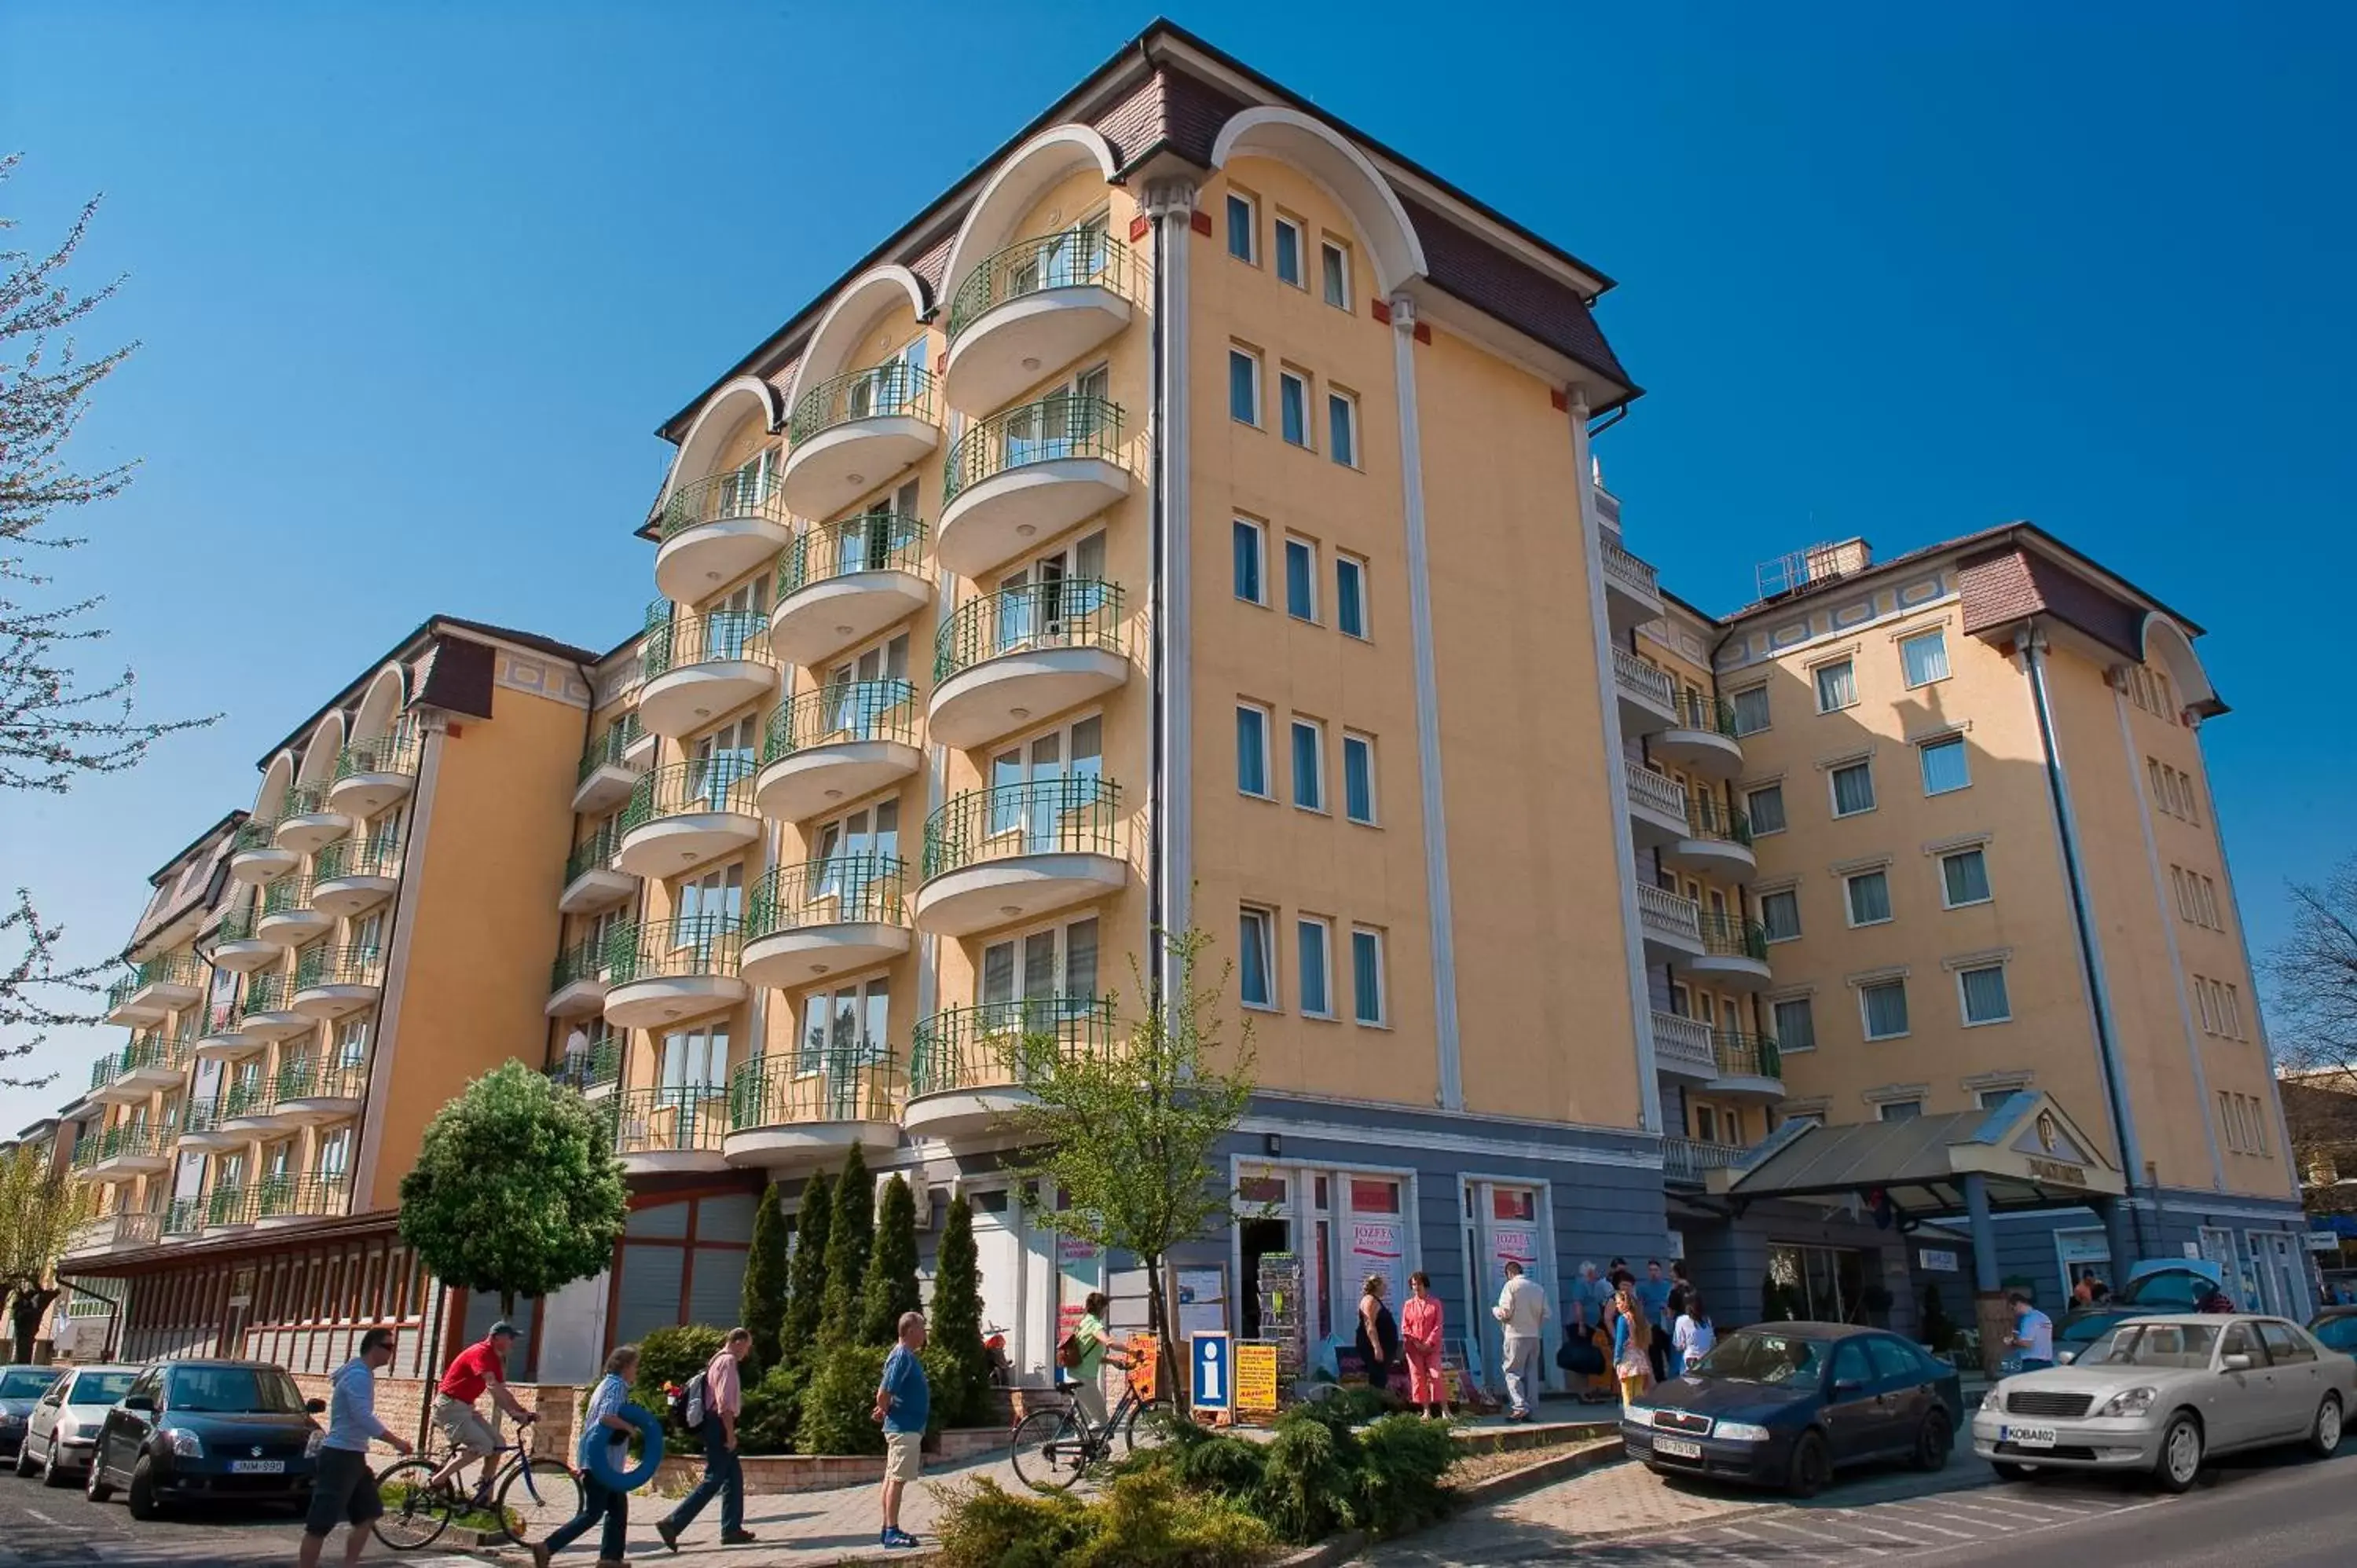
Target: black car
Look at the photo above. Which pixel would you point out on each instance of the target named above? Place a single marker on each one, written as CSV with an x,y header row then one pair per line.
x,y
2337,1327
21,1388
192,1430
1785,1404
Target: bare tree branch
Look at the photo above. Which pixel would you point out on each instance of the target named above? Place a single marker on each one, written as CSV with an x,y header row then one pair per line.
x,y
2313,1011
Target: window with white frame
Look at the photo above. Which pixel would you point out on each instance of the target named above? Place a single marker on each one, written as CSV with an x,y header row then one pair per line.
x,y
1334,266
848,1026
1252,725
1868,892
1990,1098
1310,764
1243,227
1883,1005
1795,1023
1899,1110
1313,964
1853,787
1964,878
1249,541
1052,970
1924,658
1751,705
1779,914
1293,405
1064,767
1243,386
1367,993
1765,806
1944,766
693,1064
1300,578
1359,777
1350,595
1982,988
1342,427
1256,956
1289,247
1836,685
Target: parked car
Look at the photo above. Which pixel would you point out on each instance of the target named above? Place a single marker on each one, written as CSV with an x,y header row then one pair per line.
x,y
65,1421
21,1387
1785,1404
2164,1288
2336,1327
190,1430
2164,1394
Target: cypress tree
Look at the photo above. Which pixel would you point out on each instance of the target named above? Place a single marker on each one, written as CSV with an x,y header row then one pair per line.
x,y
764,1304
798,1335
891,1287
849,1240
963,1389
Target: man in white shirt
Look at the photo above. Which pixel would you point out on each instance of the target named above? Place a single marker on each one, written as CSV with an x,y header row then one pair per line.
x,y
1523,1309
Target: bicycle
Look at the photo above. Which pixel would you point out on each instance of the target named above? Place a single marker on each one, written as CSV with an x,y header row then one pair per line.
x,y
1052,1449
535,1496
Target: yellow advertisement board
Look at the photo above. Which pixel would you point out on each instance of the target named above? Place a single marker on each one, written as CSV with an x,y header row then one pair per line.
x,y
1255,1362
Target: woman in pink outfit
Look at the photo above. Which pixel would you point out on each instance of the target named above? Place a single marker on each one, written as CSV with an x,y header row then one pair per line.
x,y
1420,1341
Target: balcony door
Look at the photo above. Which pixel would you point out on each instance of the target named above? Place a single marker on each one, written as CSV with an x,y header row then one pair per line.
x,y
335,1154
852,700
716,761
737,625
865,542
845,1028
746,487
1035,600
1051,973
709,910
1062,769
852,850
695,1064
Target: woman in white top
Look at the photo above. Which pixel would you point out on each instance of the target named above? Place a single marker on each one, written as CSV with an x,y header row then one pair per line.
x,y
1692,1335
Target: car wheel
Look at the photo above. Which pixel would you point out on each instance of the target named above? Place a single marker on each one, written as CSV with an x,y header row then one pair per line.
x,y
1812,1466
25,1458
93,1486
2007,1470
141,1494
51,1475
1933,1441
2324,1437
2180,1453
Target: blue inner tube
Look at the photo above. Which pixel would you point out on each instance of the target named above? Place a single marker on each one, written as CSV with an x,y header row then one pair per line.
x,y
597,1453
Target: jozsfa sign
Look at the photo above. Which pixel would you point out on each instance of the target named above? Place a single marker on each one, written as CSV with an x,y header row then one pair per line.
x,y
2056,1172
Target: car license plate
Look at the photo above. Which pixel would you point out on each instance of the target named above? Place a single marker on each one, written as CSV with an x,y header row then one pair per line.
x,y
2026,1436
257,1466
1677,1448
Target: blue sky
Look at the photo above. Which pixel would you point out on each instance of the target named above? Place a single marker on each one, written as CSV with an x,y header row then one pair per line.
x,y
416,283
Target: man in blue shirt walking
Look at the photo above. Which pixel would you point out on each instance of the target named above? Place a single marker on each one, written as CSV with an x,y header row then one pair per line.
x,y
903,1402
343,1491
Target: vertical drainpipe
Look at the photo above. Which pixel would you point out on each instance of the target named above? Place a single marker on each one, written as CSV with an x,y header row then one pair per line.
x,y
1157,651
2120,1219
1171,209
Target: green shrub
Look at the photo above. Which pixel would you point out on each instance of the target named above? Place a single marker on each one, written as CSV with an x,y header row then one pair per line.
x,y
673,1355
953,1353
851,1236
763,1303
837,1411
806,1274
984,1525
772,1407
1403,1459
1142,1521
891,1286
1307,1489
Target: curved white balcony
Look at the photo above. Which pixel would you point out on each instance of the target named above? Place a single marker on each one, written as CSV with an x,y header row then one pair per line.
x,y
997,856
154,989
1020,477
658,972
609,769
681,816
200,1129
969,1064
1734,953
254,856
576,981
353,875
269,1012
827,917
1717,842
133,1149
714,531
238,947
372,774
313,1092
1033,308
288,919
307,823
835,745
699,667
331,982
1007,659
1748,1066
841,583
1700,736
659,1131
853,433
807,1108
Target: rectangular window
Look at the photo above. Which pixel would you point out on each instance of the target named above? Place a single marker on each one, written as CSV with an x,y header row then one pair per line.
x,y
1884,1004
1293,407
2201,1001
1750,709
1925,658
1899,1109
2232,1010
1251,545
1765,806
1853,790
1990,1098
1313,946
1255,958
1300,579
1251,750
1309,765
1359,777
1796,1024
1243,386
1964,878
1366,975
1289,252
1779,914
1944,767
1349,596
1870,897
1342,428
1984,992
1335,264
1837,686
1244,228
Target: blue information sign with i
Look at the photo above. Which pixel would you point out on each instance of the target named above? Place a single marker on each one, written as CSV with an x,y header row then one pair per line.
x,y
1215,1379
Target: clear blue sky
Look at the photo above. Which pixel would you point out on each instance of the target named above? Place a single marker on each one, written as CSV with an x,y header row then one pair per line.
x,y
416,283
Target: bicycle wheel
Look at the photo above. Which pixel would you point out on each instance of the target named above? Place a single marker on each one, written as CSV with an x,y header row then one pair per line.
x,y
1144,1428
415,1512
538,1495
1048,1450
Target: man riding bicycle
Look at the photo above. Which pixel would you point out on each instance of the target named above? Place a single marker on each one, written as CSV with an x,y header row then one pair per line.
x,y
1094,1343
477,1368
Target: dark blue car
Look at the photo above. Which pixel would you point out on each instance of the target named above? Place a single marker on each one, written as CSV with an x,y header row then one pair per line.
x,y
1786,1404
185,1431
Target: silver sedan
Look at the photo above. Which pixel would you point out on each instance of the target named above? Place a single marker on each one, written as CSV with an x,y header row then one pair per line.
x,y
2163,1394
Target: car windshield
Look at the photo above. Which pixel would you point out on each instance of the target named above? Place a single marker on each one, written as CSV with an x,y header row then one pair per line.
x,y
234,1390
2177,1287
1764,1356
99,1388
2340,1333
2183,1345
26,1382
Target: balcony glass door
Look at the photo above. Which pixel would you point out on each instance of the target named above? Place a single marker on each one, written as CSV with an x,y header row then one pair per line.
x,y
695,1064
709,908
853,700
748,487
848,1026
716,761
1053,971
852,849
1061,766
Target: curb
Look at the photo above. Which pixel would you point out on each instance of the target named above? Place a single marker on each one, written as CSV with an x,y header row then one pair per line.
x,y
1343,1548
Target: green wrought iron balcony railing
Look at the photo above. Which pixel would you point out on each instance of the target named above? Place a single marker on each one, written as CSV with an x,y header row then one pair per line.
x,y
378,857
229,1206
715,784
670,1121
287,896
855,710
132,1140
1076,814
650,950
855,1083
872,542
182,970
85,1151
1697,711
250,1096
1075,612
841,890
303,801
1706,819
251,834
682,640
396,751
599,1067
305,1078
748,491
351,965
595,853
279,1196
200,1117
102,1071
267,994
606,750
1052,429
186,1216
1744,1055
878,392
1728,935
585,960
152,1049
1069,259
988,1043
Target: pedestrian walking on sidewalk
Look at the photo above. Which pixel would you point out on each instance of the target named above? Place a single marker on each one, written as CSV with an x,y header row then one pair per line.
x,y
1427,1387
903,1401
1523,1309
601,1504
1694,1336
1631,1361
1378,1335
1654,1292
342,1490
724,1397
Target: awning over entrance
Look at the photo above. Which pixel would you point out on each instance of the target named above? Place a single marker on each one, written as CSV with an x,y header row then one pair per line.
x,y
2026,1152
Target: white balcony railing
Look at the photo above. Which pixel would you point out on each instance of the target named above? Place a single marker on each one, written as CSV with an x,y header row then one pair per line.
x,y
1608,506
1688,1159
1646,682
1669,914
1682,1042
1655,792
1636,576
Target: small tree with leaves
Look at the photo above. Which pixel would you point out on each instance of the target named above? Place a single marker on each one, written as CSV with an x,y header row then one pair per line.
x,y
1128,1136
891,1287
39,1209
954,1359
849,1239
764,1304
516,1190
806,1292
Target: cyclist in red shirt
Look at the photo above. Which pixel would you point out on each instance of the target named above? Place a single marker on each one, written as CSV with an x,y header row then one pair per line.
x,y
477,1368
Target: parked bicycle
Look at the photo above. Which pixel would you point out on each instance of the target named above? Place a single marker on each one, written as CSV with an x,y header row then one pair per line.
x,y
1053,1448
528,1496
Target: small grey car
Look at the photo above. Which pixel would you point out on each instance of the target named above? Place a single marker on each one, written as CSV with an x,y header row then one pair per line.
x,y
2164,1394
66,1419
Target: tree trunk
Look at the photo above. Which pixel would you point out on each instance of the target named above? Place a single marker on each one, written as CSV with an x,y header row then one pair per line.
x,y
507,1304
24,1319
1172,1373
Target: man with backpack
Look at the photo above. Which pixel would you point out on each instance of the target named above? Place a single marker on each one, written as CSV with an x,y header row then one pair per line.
x,y
709,1405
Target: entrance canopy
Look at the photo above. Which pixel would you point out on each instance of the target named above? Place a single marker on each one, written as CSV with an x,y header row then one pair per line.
x,y
2026,1152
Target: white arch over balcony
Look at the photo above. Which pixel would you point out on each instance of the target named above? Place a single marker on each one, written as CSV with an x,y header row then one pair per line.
x,y
319,753
837,336
1339,169
2166,641
715,423
380,705
277,780
1015,186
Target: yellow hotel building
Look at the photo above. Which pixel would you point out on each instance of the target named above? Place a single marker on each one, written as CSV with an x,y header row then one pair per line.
x,y
1188,519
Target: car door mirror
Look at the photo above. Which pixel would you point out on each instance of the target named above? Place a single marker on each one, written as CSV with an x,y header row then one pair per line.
x,y
2235,1361
317,1407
